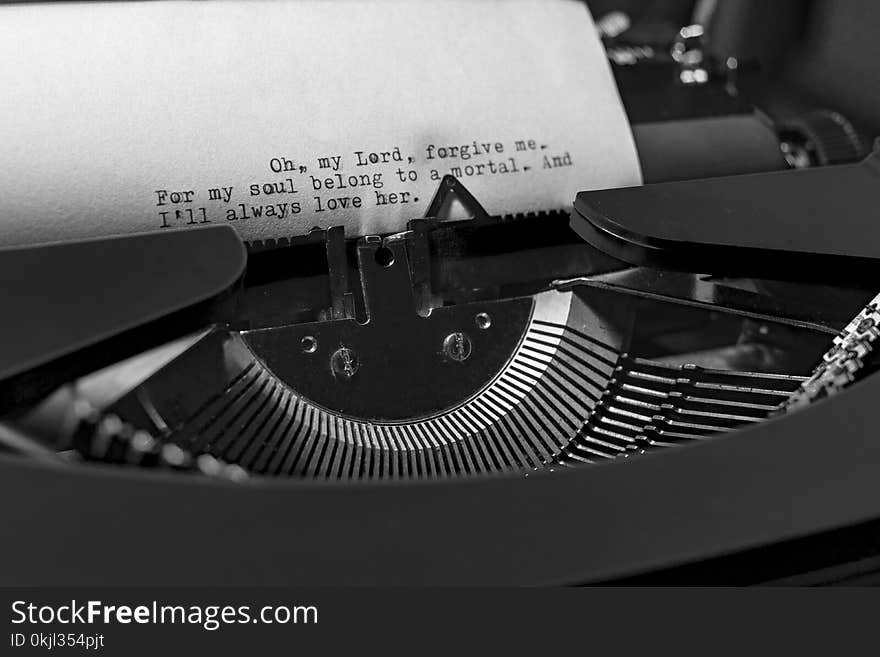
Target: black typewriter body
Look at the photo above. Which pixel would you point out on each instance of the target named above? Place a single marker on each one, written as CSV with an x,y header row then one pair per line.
x,y
628,393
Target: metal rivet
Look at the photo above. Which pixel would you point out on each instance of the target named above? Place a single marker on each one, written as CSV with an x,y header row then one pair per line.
x,y
344,363
457,346
483,321
308,344
384,256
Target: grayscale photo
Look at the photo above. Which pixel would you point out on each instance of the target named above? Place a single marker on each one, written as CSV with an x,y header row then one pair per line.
x,y
320,312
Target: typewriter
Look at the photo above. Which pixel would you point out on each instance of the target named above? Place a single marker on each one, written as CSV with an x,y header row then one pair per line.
x,y
670,384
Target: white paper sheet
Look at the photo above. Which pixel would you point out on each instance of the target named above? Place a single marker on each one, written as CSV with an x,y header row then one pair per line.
x,y
123,117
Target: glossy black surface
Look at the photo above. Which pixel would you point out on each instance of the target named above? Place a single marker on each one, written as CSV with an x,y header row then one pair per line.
x,y
73,307
805,473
